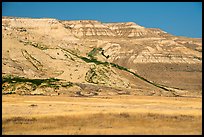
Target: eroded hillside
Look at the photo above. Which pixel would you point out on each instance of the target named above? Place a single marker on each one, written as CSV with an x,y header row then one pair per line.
x,y
88,58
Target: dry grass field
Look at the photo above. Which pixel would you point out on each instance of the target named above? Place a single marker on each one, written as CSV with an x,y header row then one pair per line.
x,y
123,114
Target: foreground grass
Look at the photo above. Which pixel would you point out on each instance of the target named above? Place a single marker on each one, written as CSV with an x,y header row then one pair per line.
x,y
104,123
101,115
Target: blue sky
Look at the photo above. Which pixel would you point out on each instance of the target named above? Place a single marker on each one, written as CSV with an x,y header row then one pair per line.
x,y
177,18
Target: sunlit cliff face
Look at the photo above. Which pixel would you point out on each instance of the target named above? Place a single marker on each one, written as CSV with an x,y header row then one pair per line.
x,y
44,48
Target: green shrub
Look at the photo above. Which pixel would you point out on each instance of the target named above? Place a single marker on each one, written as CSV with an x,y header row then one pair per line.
x,y
68,84
15,79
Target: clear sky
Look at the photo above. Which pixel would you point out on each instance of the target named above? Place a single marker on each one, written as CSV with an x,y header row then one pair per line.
x,y
177,18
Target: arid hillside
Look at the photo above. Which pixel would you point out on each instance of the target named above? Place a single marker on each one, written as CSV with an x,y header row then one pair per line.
x,y
90,58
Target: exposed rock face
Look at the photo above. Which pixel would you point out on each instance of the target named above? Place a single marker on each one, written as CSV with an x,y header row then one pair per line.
x,y
43,48
132,30
88,28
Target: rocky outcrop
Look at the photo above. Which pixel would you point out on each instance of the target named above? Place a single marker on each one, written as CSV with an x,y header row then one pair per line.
x,y
99,74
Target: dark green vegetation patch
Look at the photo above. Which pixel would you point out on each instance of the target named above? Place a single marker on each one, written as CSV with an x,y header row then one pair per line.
x,y
16,79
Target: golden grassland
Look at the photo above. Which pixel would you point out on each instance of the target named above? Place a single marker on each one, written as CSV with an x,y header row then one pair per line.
x,y
101,115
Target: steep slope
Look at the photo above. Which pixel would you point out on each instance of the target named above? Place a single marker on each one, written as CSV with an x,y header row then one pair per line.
x,y
67,50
